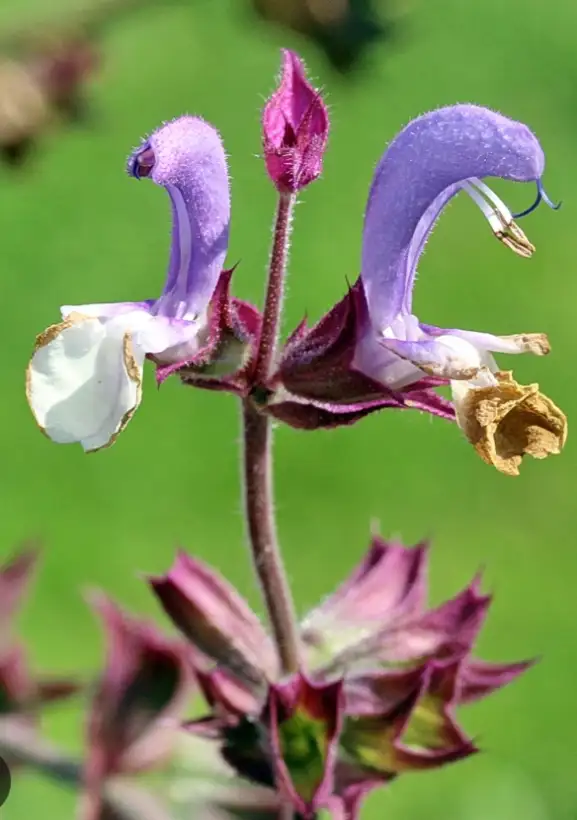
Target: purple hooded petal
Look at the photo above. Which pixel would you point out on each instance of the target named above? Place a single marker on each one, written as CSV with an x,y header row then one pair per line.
x,y
305,723
389,584
217,621
186,156
425,161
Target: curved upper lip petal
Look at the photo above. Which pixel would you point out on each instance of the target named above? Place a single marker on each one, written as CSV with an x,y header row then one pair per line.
x,y
421,170
187,158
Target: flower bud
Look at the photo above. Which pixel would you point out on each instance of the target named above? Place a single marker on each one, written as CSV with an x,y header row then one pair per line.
x,y
295,129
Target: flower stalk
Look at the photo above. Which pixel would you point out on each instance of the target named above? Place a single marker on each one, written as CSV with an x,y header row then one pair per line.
x,y
257,455
271,319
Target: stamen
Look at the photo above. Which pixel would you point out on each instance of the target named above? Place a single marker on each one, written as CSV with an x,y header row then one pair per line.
x,y
541,195
492,197
499,218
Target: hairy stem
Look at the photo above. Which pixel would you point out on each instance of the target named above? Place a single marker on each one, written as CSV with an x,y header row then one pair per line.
x,y
275,288
258,479
266,554
20,745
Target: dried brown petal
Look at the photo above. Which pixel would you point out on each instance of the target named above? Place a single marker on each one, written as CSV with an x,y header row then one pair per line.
x,y
506,421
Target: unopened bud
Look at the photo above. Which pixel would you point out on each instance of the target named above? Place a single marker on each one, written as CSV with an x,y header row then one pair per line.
x,y
295,129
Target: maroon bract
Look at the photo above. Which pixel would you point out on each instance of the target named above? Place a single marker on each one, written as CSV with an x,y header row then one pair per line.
x,y
22,694
139,701
226,359
15,577
318,385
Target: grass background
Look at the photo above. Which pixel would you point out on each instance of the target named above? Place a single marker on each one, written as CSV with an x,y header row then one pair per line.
x,y
75,229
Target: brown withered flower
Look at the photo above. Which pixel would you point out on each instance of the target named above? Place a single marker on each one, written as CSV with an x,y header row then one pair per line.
x,y
505,421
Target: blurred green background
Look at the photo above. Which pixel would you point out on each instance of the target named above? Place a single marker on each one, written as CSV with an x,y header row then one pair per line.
x,y
75,229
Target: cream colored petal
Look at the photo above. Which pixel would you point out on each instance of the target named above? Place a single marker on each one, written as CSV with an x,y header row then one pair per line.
x,y
84,381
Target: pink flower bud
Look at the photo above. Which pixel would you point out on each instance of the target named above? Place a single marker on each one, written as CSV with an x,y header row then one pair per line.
x,y
295,129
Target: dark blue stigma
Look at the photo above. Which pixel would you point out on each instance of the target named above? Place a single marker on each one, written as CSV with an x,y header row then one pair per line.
x,y
541,195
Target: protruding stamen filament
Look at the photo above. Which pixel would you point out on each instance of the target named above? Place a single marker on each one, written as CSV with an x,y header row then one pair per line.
x,y
541,196
499,218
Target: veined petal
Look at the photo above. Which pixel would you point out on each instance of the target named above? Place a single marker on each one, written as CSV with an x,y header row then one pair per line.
x,y
84,381
414,180
186,156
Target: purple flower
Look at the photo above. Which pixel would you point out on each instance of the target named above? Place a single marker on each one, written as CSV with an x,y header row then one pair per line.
x,y
371,351
382,677
295,127
84,381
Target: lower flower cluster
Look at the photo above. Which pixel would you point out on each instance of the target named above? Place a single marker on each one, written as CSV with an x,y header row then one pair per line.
x,y
381,678
376,696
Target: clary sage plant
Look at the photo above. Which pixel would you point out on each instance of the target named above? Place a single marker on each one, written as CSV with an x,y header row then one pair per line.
x,y
305,717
